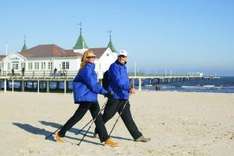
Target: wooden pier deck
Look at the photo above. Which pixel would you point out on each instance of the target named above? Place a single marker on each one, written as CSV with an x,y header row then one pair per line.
x,y
43,81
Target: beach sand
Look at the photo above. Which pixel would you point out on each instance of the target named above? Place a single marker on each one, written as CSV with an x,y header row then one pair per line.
x,y
179,124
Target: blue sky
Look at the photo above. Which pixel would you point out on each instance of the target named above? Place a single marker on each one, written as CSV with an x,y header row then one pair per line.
x,y
160,35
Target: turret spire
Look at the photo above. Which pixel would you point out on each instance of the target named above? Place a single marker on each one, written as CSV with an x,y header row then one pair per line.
x,y
110,44
80,44
24,46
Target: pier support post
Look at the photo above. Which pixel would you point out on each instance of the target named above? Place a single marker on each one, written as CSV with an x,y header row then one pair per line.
x,y
133,83
38,86
5,85
22,85
12,85
65,86
47,86
168,80
139,88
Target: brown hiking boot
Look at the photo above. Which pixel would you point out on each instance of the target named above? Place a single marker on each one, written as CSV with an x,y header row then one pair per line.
x,y
57,138
142,139
111,143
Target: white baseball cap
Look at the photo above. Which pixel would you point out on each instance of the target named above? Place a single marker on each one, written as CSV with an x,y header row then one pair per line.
x,y
123,52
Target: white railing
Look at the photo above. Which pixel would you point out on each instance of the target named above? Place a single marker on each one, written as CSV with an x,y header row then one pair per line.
x,y
71,74
39,74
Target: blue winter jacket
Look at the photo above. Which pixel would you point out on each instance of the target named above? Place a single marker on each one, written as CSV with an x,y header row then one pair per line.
x,y
86,86
118,81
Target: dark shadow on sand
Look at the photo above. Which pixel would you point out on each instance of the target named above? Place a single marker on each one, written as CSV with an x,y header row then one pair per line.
x,y
77,131
33,130
39,131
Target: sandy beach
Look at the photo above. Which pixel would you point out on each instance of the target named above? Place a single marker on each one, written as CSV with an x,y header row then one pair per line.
x,y
179,124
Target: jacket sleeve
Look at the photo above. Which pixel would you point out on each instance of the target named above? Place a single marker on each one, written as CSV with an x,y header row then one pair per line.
x,y
91,82
115,76
76,78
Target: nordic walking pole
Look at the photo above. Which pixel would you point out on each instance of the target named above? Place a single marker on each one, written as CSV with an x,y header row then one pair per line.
x,y
118,118
80,129
103,107
86,133
60,128
93,120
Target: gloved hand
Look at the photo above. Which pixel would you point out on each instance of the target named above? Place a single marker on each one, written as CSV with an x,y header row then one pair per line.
x,y
108,95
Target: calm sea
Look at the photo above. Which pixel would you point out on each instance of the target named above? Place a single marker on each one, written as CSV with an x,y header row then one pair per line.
x,y
219,85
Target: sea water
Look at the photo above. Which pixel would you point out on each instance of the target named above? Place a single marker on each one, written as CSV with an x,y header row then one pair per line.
x,y
218,85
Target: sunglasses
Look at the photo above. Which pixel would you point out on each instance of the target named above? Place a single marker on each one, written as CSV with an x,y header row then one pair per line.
x,y
91,57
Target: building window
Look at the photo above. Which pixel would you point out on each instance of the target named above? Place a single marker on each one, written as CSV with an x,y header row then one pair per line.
x,y
30,66
50,65
22,65
36,65
15,66
65,65
43,65
9,66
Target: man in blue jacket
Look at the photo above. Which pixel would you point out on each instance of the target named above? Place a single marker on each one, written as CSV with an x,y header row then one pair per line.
x,y
118,85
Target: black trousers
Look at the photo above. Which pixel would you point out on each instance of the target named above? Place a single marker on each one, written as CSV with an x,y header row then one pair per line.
x,y
80,112
114,106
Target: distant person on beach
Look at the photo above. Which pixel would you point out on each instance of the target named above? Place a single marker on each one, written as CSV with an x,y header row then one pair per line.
x,y
117,82
55,72
23,71
13,72
86,88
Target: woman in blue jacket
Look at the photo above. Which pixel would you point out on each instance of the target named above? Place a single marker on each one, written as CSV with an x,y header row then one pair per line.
x,y
85,90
